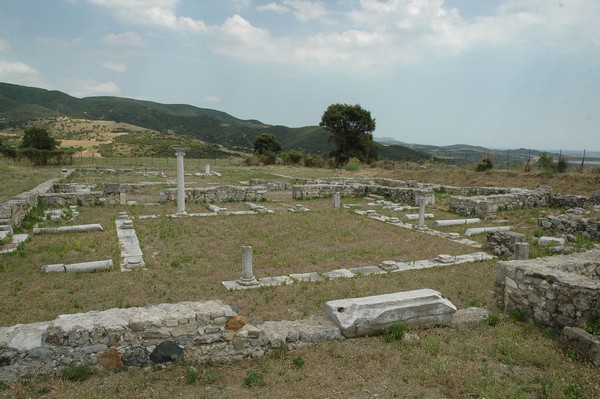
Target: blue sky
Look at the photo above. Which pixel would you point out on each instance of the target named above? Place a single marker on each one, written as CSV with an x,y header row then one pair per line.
x,y
497,73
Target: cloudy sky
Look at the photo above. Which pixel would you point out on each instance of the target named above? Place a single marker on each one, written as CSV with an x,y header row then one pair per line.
x,y
497,73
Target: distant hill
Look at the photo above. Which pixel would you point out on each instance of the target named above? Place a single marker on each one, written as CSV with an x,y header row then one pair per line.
x,y
461,153
20,105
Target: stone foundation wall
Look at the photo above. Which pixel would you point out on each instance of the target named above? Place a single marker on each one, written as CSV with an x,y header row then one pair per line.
x,y
486,205
13,211
206,331
557,291
272,185
83,199
571,224
220,194
400,194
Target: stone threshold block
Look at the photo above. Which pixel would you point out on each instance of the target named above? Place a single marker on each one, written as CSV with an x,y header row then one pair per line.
x,y
81,228
455,222
480,230
357,317
415,216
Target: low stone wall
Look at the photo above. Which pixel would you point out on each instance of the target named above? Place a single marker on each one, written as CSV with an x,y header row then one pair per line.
x,y
400,194
83,199
13,211
571,224
207,331
272,185
556,291
487,206
220,194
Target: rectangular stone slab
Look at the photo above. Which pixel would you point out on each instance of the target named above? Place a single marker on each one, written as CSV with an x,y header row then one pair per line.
x,y
373,315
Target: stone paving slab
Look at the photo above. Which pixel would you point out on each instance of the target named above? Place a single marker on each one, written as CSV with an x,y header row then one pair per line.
x,y
391,266
367,270
306,276
338,273
275,281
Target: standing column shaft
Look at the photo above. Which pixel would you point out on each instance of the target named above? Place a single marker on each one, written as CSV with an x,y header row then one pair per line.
x,y
247,275
421,213
180,185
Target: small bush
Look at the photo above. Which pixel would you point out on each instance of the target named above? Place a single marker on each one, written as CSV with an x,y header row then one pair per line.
x,y
592,323
292,157
493,319
396,332
485,164
353,165
254,379
561,167
298,362
77,373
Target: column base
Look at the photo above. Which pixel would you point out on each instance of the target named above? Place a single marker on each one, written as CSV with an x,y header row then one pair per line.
x,y
247,281
181,213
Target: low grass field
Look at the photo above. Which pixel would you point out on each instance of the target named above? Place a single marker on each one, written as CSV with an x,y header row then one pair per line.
x,y
188,258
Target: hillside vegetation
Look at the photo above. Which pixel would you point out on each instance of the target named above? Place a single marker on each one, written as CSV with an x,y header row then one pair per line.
x,y
19,105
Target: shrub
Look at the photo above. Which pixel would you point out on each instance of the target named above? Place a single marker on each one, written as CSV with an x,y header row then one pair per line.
x,y
546,162
485,164
352,165
254,379
77,373
396,332
292,157
561,167
298,362
493,319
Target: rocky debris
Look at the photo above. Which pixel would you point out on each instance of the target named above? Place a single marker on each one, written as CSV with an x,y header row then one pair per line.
x,y
136,356
502,243
111,359
571,224
166,351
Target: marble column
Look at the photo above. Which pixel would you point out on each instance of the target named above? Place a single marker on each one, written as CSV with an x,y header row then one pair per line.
x,y
247,276
180,185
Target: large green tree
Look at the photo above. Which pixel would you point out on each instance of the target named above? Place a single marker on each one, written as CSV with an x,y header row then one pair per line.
x,y
265,144
351,129
39,146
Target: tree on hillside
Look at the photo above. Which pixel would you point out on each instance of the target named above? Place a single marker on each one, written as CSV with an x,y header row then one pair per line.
x,y
351,129
265,144
38,146
8,151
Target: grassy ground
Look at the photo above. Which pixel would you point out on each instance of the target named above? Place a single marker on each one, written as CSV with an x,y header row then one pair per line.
x,y
188,258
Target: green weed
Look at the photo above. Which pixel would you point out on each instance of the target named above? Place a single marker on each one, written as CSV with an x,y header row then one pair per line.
x,y
254,379
396,332
76,373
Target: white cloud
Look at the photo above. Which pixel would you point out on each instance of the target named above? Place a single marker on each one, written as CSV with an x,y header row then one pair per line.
x,y
306,10
89,87
211,99
381,34
129,39
273,7
160,13
115,66
20,73
12,68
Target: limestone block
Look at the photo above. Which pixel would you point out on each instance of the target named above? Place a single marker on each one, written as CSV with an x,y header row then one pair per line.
x,y
586,344
546,241
374,315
